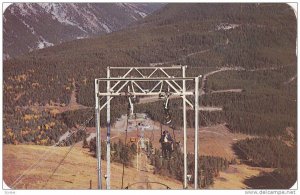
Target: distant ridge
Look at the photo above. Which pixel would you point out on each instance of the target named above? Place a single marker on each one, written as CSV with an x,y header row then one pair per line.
x,y
30,26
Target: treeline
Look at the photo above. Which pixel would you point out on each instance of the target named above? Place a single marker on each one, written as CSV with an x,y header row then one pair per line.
x,y
120,152
209,167
266,152
26,126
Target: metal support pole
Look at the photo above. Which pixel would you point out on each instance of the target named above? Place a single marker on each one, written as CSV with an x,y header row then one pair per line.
x,y
184,131
196,130
98,140
108,133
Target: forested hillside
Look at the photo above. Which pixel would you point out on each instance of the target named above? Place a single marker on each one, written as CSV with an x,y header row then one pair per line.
x,y
266,106
30,127
202,35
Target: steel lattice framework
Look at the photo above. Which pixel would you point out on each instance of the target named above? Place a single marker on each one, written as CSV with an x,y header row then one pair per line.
x,y
146,84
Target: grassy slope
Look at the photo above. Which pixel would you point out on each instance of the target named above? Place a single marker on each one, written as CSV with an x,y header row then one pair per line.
x,y
234,176
75,172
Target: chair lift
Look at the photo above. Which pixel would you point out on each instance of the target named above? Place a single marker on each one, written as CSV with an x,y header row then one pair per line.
x,y
130,110
130,107
168,119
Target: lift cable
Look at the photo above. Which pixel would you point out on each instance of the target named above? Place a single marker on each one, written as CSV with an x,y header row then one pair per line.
x,y
59,164
44,155
70,149
130,112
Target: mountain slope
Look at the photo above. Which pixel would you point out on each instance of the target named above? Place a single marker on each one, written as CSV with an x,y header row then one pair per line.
x,y
29,26
259,36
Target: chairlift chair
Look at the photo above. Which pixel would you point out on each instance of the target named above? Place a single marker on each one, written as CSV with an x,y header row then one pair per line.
x,y
168,119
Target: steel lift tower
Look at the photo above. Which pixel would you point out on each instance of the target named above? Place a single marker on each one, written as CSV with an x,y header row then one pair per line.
x,y
134,78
